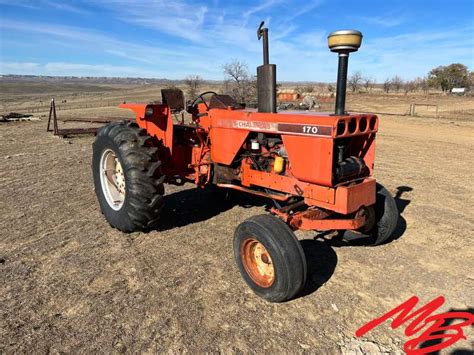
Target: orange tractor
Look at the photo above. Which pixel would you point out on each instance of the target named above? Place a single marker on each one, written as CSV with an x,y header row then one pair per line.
x,y
316,167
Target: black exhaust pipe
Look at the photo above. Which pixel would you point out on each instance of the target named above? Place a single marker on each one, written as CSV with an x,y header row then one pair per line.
x,y
341,83
266,77
343,42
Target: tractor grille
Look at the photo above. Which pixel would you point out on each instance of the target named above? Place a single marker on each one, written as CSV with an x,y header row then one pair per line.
x,y
356,125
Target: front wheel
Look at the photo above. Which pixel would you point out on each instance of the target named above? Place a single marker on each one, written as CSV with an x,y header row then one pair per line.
x,y
384,215
270,258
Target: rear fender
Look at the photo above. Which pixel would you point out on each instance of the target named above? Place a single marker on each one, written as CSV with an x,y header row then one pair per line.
x,y
158,124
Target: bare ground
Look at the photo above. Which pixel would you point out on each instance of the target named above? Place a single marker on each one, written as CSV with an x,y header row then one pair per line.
x,y
69,282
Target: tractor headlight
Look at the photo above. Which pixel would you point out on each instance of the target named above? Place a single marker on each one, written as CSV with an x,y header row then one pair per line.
x,y
149,111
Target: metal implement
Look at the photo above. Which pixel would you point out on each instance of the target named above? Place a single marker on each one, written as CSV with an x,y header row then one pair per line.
x,y
53,119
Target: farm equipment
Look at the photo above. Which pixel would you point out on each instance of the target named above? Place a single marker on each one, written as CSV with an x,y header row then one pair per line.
x,y
316,167
65,132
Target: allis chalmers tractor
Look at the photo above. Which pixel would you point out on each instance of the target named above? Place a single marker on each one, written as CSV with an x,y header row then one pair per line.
x,y
316,167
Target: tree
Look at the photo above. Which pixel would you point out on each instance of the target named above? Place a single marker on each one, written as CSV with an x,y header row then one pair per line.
x,y
420,83
424,85
355,80
367,84
410,86
239,83
397,83
193,82
448,77
387,85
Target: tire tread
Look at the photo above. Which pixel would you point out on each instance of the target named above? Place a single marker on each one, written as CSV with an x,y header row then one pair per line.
x,y
142,167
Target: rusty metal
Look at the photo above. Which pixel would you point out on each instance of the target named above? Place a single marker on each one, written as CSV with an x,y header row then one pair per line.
x,y
68,131
257,262
92,119
317,219
52,114
292,206
273,196
53,119
225,174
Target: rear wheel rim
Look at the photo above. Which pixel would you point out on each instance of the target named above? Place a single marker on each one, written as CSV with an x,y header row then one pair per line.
x,y
371,219
112,179
257,262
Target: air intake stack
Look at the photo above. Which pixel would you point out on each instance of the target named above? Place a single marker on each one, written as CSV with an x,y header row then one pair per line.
x,y
343,42
266,77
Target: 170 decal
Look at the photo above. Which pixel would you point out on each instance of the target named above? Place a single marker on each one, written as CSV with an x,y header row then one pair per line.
x,y
310,129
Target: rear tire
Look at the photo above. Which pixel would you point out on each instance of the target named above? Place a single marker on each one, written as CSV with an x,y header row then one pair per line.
x,y
386,219
270,258
130,193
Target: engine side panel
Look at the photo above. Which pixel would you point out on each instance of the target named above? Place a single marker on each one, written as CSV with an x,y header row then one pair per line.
x,y
310,158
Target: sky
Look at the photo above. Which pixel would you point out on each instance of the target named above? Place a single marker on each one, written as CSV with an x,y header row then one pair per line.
x,y
174,39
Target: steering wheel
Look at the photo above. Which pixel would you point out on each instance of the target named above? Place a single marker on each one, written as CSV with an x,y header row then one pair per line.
x,y
200,96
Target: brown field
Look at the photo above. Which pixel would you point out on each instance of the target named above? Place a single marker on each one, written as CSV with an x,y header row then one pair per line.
x,y
71,283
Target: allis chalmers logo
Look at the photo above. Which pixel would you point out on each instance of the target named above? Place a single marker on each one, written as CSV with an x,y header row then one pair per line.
x,y
254,125
438,331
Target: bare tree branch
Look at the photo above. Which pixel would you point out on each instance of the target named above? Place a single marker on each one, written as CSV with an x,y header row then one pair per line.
x,y
193,83
239,83
354,81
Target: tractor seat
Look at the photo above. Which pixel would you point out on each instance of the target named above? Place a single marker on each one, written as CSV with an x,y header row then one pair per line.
x,y
174,98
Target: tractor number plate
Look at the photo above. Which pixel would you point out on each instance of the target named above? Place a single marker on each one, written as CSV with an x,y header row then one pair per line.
x,y
305,129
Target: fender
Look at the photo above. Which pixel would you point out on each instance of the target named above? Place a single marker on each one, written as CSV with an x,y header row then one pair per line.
x,y
158,124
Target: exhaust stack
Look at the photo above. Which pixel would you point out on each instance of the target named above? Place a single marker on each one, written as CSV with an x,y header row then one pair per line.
x,y
343,42
266,77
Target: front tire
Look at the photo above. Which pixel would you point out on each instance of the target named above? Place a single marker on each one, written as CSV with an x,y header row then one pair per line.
x,y
127,177
270,258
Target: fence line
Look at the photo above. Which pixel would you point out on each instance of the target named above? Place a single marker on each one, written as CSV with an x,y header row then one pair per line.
x,y
36,109
463,110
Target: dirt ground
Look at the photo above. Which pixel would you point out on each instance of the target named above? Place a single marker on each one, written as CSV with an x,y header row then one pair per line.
x,y
69,282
